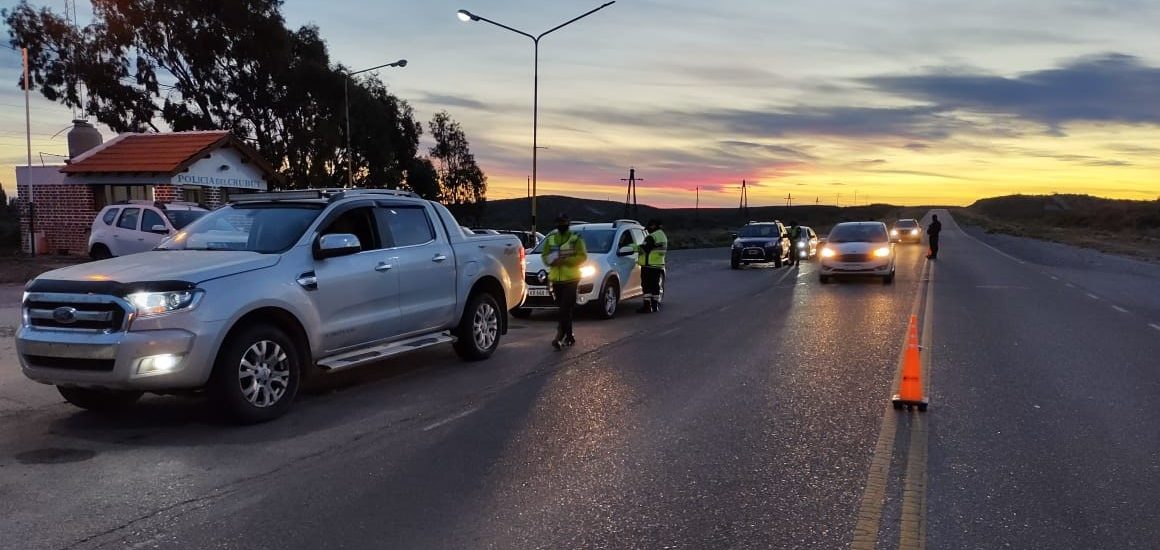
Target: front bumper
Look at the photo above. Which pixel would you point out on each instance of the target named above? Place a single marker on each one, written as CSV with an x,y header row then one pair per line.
x,y
540,297
111,360
755,255
879,268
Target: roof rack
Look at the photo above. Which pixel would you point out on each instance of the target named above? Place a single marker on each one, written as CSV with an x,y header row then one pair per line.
x,y
343,193
618,223
305,194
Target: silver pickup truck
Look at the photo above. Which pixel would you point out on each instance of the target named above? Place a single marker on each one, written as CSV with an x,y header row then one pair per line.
x,y
249,299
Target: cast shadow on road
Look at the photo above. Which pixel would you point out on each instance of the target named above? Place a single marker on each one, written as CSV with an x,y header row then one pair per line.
x,y
324,402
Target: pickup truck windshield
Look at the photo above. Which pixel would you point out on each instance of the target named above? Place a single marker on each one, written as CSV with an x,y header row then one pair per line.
x,y
182,218
262,228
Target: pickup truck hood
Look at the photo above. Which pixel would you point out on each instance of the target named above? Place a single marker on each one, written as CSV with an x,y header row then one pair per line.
x,y
193,266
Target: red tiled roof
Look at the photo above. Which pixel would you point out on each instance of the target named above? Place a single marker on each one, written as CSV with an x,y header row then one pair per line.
x,y
146,153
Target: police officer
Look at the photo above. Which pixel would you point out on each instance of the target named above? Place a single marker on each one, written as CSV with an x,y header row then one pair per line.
x,y
651,259
795,235
564,252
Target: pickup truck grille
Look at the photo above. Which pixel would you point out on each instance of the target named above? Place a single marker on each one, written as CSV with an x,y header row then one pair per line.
x,y
69,363
75,312
534,279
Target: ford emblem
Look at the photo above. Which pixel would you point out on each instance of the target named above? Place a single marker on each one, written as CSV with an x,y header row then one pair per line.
x,y
65,315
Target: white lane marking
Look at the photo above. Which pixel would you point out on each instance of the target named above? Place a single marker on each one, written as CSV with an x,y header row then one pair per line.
x,y
449,419
1092,296
1069,285
1154,325
1119,309
1053,277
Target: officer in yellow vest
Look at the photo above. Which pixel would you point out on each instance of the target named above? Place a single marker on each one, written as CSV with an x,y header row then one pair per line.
x,y
651,259
564,252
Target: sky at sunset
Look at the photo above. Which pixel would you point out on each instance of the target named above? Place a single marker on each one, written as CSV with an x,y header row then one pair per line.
x,y
900,101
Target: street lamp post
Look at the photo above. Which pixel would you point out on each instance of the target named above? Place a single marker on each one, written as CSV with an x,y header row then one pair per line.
x,y
346,107
465,15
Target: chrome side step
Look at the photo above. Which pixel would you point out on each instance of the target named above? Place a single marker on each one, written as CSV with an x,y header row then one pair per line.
x,y
378,353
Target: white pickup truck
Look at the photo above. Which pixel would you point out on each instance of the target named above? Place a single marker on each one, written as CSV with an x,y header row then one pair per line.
x,y
253,296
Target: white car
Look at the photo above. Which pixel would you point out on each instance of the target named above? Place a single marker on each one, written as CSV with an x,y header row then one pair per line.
x,y
608,277
138,226
857,249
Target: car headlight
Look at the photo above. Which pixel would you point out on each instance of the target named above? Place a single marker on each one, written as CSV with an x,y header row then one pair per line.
x,y
913,231
827,253
149,304
894,232
587,271
801,244
736,243
882,252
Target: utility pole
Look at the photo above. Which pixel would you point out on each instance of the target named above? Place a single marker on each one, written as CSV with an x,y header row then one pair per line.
x,y
529,187
855,197
788,200
697,210
28,168
744,205
631,194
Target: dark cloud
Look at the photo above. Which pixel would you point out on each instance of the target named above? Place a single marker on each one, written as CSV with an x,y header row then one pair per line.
x,y
772,149
916,146
447,100
1107,88
1107,163
1133,149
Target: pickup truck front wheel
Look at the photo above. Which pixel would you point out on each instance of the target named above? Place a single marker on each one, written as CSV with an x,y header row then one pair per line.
x,y
477,335
99,400
256,375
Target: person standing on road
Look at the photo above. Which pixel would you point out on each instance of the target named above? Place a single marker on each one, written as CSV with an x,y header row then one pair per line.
x,y
564,252
932,235
651,259
795,235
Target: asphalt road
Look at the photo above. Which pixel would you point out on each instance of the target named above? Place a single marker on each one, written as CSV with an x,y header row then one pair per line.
x,y
753,412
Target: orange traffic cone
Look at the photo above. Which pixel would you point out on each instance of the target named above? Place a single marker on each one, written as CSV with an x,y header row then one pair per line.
x,y
910,391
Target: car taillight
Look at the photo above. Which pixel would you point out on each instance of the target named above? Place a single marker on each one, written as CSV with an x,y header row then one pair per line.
x,y
523,257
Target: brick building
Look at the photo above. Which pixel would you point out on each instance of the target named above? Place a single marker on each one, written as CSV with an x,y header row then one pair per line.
x,y
202,167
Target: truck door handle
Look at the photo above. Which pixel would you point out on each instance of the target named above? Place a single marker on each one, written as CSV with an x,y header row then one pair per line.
x,y
383,267
439,258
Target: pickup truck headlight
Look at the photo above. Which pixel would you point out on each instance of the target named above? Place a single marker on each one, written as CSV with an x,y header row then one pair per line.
x,y
827,253
587,271
149,304
882,252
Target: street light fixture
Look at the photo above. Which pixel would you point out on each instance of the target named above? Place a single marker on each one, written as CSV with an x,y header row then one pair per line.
x,y
465,16
346,107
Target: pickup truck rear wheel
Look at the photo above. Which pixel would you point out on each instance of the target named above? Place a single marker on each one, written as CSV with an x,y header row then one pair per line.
x,y
256,375
477,335
97,399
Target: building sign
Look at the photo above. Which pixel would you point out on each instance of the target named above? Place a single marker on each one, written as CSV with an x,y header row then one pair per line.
x,y
210,181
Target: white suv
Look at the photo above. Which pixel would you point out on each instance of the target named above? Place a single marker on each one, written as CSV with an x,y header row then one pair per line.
x,y
137,226
609,276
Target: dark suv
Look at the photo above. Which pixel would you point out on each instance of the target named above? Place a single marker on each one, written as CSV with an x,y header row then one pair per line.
x,y
761,242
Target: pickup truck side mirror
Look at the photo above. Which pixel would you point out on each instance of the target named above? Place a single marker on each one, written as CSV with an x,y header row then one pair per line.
x,y
626,251
335,245
159,229
733,235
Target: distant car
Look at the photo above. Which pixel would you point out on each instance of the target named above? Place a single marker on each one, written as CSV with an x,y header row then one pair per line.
x,y
807,246
609,277
760,242
138,226
906,230
857,249
529,238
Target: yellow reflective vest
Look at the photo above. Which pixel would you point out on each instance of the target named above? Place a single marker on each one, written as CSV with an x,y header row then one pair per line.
x,y
569,247
652,252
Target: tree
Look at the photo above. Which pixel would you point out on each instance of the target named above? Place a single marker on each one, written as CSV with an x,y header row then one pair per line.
x,y
423,179
216,64
461,181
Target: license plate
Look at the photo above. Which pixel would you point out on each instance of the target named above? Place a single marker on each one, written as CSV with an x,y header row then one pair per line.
x,y
753,252
538,292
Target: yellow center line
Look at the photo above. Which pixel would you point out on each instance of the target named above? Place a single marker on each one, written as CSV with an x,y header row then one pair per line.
x,y
874,492
912,532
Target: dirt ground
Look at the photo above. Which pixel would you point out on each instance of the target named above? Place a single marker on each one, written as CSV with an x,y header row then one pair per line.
x,y
19,269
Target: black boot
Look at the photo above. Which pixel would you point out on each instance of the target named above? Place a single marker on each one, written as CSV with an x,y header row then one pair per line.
x,y
646,307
